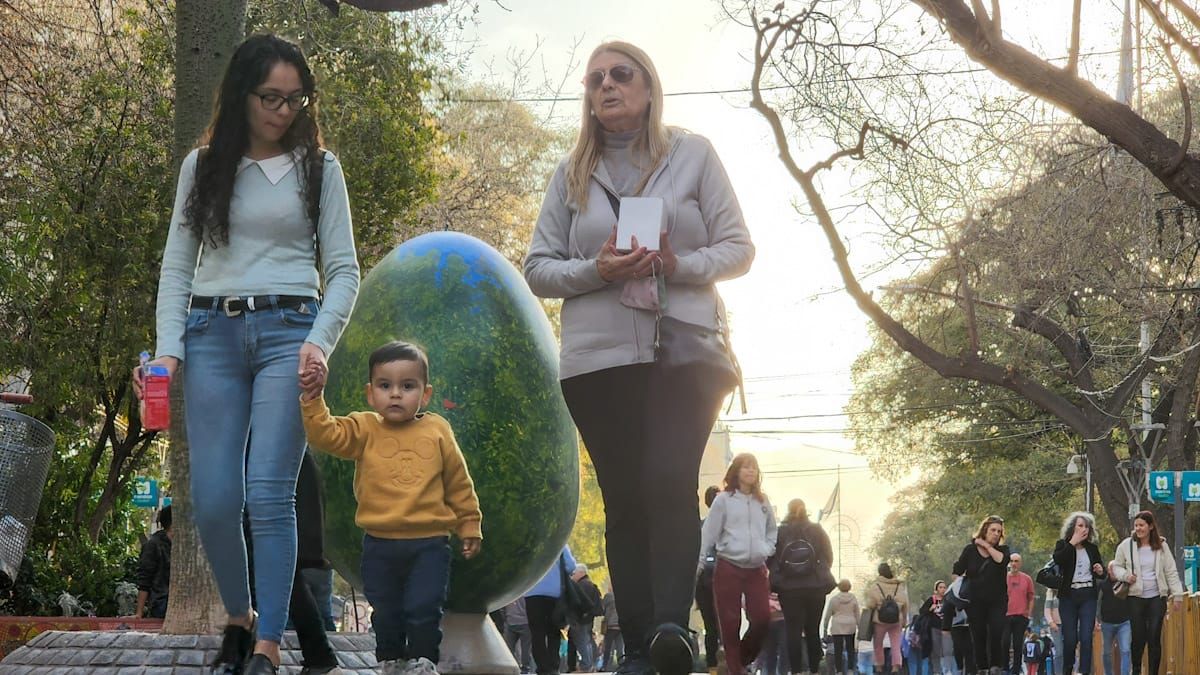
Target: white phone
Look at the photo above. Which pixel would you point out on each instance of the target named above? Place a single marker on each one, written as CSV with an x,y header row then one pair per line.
x,y
641,217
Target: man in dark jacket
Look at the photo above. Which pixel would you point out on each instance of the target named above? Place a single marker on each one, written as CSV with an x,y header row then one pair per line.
x,y
154,570
580,634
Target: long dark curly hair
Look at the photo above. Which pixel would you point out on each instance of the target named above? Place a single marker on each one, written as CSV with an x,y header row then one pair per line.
x,y
228,136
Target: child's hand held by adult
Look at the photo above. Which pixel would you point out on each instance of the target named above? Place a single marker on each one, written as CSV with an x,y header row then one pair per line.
x,y
471,547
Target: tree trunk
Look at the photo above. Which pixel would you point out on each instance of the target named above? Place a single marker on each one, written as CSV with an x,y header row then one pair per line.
x,y
206,33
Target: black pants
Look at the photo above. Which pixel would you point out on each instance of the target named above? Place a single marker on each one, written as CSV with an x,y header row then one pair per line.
x,y
987,631
964,651
547,636
708,613
1146,621
845,655
310,625
1015,646
645,429
802,616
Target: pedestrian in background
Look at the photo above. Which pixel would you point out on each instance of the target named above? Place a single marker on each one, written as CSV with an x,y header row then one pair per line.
x,y
887,597
517,635
740,530
1115,631
801,575
982,564
704,596
841,620
1020,608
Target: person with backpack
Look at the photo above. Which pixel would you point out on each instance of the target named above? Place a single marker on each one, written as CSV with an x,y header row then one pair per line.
x,y
1032,652
887,597
840,621
579,632
931,614
983,564
800,574
740,529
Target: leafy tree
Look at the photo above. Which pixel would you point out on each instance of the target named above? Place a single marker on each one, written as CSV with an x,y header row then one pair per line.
x,y
965,186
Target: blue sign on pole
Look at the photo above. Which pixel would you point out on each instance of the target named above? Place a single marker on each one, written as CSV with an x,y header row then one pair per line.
x,y
1191,486
1191,566
145,492
1162,486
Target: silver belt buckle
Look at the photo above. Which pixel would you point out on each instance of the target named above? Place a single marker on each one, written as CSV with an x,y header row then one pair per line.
x,y
225,307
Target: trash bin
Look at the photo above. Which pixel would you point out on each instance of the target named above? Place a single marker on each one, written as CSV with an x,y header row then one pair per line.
x,y
26,447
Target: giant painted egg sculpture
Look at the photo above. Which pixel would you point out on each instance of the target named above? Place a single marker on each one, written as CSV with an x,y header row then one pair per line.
x,y
494,369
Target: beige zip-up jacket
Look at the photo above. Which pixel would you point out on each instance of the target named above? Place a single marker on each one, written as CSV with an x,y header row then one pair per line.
x,y
1164,570
706,231
841,614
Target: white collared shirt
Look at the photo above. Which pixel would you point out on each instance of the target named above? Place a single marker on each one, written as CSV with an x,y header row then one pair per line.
x,y
274,168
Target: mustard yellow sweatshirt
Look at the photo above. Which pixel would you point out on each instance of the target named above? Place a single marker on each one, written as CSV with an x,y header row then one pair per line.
x,y
410,480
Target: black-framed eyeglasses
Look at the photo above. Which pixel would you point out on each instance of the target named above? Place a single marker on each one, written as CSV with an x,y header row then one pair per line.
x,y
294,102
621,73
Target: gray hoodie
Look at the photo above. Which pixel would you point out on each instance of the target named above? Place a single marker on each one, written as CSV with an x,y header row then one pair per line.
x,y
707,234
740,529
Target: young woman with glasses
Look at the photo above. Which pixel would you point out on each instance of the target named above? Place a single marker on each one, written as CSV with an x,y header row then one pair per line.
x,y
238,299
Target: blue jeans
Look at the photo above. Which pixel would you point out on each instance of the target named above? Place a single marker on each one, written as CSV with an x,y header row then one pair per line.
x,y
1122,633
241,383
405,580
1077,609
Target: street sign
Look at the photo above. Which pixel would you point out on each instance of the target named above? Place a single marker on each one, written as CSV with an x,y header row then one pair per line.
x,y
1191,566
1162,486
1191,486
145,492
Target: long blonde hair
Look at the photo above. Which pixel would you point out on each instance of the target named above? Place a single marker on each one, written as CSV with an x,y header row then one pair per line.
x,y
652,142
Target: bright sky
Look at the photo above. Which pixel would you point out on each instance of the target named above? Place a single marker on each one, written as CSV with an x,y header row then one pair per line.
x,y
795,333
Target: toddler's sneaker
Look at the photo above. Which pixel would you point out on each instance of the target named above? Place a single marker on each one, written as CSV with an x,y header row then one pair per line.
x,y
421,666
393,667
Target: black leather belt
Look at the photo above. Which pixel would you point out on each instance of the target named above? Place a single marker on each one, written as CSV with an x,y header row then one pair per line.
x,y
233,305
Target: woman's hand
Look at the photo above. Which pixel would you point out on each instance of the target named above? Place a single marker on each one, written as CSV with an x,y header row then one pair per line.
x,y
169,362
615,266
1078,537
1131,578
669,260
982,543
313,369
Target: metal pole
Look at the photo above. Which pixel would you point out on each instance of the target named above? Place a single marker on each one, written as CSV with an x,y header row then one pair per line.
x,y
1087,467
1178,542
838,506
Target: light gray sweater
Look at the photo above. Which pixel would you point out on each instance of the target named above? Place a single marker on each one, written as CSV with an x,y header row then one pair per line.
x,y
270,250
739,529
706,232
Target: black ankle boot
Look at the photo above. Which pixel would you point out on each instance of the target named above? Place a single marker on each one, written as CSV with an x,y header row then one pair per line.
x,y
671,650
236,643
260,664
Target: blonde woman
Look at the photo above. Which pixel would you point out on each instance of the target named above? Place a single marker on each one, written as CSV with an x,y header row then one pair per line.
x,y
1144,561
840,621
645,425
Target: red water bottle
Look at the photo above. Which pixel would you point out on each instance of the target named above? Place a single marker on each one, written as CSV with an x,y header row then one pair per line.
x,y
156,397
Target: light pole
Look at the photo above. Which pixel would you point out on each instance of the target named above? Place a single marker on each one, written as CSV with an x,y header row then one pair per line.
x,y
1080,464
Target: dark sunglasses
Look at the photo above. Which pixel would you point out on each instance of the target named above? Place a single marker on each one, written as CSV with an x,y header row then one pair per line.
x,y
621,74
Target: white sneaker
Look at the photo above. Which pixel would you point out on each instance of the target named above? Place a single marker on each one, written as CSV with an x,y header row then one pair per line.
x,y
421,666
394,667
